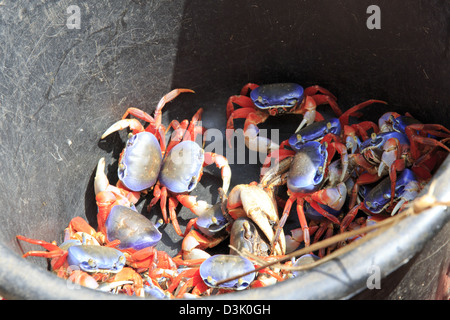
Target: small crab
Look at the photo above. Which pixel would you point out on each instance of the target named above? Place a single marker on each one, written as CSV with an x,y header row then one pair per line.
x,y
140,161
271,100
181,170
92,259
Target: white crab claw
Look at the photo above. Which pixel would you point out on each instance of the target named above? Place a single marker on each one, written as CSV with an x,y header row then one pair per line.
x,y
398,206
122,124
100,181
257,143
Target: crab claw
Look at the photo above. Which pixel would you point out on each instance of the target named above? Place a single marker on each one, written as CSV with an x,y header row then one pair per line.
x,y
352,143
259,207
101,182
332,197
309,115
390,154
194,243
133,124
385,122
410,192
296,238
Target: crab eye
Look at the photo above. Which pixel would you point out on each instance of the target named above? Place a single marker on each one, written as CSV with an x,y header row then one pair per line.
x,y
91,263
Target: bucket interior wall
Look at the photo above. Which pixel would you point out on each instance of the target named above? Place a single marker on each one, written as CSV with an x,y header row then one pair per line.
x,y
61,88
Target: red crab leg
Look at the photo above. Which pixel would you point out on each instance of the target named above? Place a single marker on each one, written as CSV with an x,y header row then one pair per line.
x,y
249,86
177,135
221,163
282,221
105,201
415,139
312,90
303,222
173,203
167,98
184,274
52,248
242,101
365,178
363,127
163,203
325,99
53,251
191,132
322,211
160,194
236,114
351,112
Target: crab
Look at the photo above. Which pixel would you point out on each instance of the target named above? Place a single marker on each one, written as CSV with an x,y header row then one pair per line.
x,y
272,100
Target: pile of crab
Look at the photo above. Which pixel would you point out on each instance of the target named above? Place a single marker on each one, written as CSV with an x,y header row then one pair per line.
x,y
342,175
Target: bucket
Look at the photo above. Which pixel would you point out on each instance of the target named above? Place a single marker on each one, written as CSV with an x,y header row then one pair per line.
x,y
70,69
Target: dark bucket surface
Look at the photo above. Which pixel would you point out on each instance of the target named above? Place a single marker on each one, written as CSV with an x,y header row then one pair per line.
x,y
60,88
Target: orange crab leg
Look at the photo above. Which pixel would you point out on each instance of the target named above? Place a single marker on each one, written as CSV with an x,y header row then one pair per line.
x,y
167,98
173,202
138,113
191,133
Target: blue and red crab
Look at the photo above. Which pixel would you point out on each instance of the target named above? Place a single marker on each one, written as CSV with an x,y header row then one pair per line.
x,y
334,131
119,222
271,100
307,173
377,201
86,255
181,170
173,172
396,147
141,159
213,273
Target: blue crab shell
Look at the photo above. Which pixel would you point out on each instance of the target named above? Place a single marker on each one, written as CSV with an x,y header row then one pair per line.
x,y
399,124
182,167
379,197
131,228
222,266
277,95
307,170
91,258
212,221
140,162
376,144
315,132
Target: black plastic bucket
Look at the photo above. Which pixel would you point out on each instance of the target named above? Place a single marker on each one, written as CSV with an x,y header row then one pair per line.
x,y
61,86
